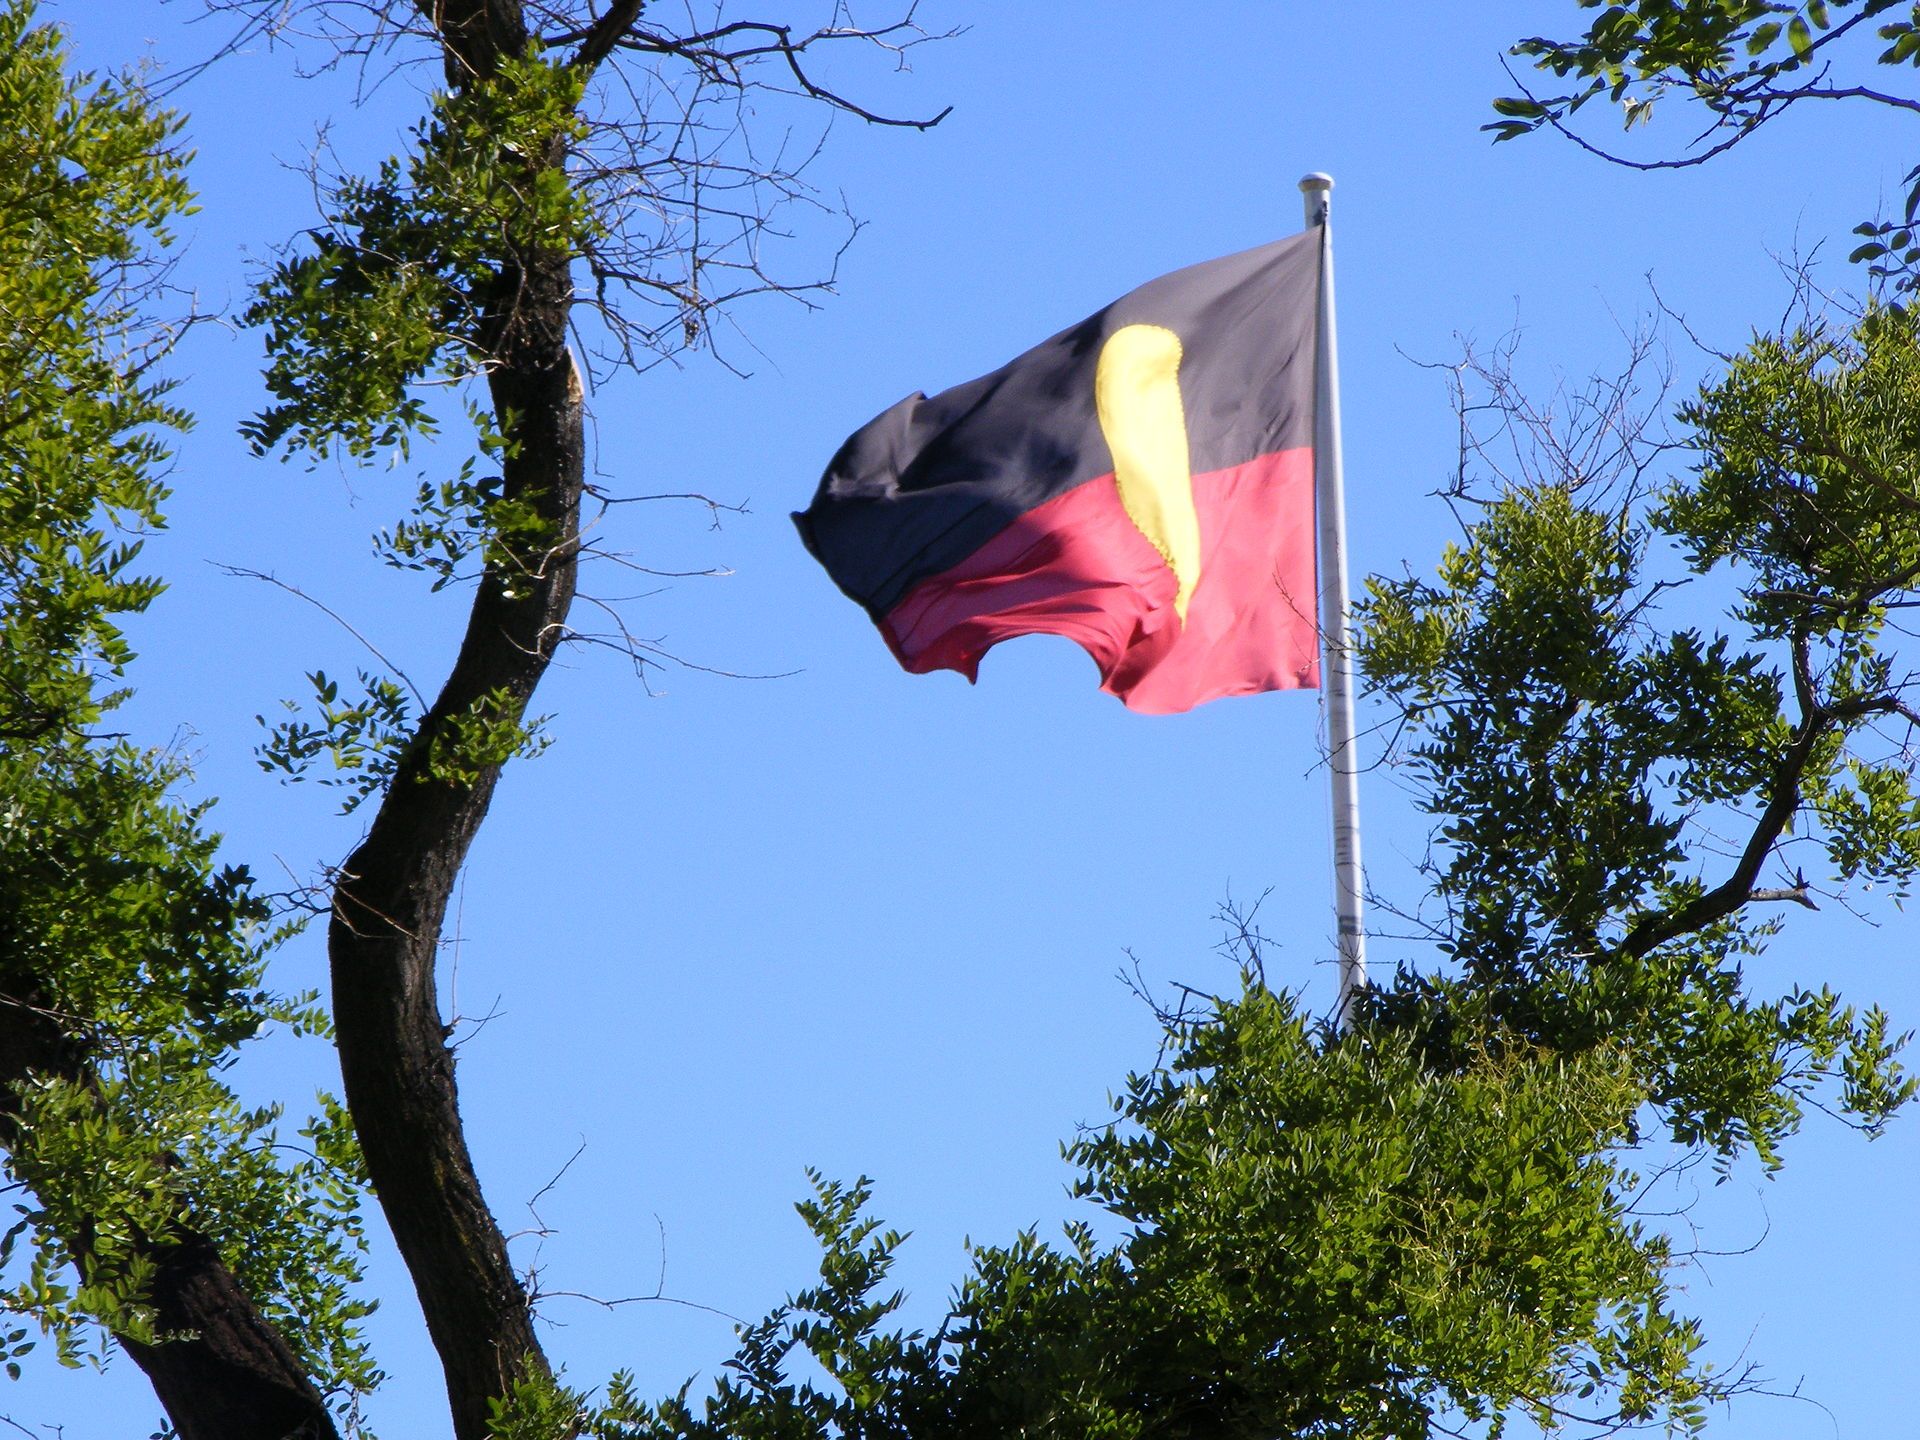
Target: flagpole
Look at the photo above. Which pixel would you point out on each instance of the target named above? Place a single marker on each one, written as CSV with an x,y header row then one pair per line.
x,y
1336,651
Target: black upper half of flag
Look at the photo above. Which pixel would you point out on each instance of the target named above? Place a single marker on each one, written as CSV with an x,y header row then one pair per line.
x,y
925,484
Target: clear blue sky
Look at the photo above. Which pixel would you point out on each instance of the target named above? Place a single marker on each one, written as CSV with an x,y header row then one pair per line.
x,y
871,922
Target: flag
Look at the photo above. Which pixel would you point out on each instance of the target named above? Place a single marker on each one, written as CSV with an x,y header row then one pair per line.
x,y
1142,484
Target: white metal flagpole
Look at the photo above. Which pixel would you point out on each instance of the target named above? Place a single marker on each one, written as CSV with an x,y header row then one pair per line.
x,y
1336,653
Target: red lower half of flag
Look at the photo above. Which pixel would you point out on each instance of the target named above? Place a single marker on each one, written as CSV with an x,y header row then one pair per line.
x,y
1078,566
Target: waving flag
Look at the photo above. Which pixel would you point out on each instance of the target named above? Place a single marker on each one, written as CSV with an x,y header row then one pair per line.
x,y
1142,484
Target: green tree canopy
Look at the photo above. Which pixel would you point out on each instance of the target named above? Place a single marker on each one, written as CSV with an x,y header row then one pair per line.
x,y
131,961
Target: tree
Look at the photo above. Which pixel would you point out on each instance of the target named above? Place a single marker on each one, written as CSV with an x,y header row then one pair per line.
x,y
1801,481
467,261
465,254
130,963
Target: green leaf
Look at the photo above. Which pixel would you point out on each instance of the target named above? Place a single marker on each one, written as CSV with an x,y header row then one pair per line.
x,y
1519,107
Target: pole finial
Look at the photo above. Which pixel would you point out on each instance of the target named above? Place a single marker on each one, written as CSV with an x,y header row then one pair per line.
x,y
1316,189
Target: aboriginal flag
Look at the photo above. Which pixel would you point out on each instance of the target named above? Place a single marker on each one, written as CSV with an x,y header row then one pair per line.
x,y
1142,484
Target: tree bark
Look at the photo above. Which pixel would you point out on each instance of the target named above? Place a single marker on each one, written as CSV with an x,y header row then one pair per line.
x,y
393,892
384,938
232,1376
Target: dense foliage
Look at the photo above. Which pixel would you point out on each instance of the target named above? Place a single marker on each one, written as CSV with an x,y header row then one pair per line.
x,y
1319,1234
130,960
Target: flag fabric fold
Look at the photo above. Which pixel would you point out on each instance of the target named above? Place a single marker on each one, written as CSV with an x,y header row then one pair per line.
x,y
1141,484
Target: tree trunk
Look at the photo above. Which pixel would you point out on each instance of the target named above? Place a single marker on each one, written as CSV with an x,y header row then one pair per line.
x,y
391,901
393,892
234,1377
